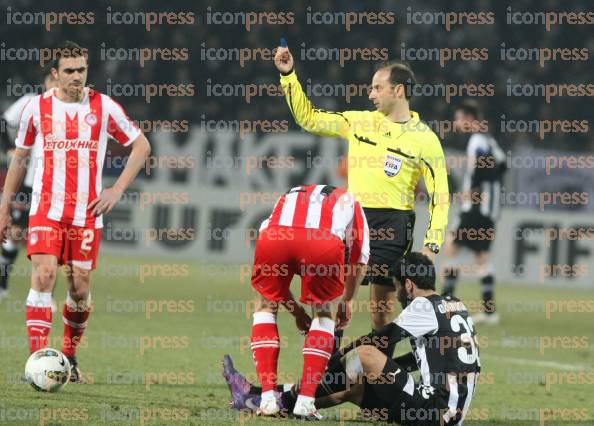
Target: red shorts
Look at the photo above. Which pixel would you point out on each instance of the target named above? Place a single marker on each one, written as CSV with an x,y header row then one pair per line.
x,y
72,245
282,252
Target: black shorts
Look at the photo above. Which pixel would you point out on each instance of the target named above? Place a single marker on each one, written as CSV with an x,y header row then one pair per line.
x,y
20,208
475,231
390,237
396,398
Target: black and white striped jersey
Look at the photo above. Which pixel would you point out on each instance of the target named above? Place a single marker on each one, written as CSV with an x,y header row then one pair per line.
x,y
444,343
483,176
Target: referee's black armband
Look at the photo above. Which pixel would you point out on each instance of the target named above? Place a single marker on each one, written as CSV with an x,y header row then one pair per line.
x,y
288,73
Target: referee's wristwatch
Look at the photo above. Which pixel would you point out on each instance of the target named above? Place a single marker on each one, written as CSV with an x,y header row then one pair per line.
x,y
433,247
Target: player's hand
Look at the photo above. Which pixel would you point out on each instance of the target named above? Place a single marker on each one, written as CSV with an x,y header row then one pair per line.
x,y
283,60
427,252
302,320
5,222
105,202
343,315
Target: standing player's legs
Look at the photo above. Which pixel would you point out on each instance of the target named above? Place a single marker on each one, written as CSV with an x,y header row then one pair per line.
x,y
8,253
321,266
81,248
265,343
75,313
15,238
317,349
38,310
44,248
383,309
271,279
383,305
394,238
485,268
449,272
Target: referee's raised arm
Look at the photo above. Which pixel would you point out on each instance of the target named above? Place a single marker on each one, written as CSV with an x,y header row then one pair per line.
x,y
313,120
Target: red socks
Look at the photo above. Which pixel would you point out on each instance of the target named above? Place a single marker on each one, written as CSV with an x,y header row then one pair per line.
x,y
265,348
317,349
316,352
75,316
38,319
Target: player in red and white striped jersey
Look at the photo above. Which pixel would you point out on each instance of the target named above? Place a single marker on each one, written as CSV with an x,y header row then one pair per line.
x,y
70,124
306,235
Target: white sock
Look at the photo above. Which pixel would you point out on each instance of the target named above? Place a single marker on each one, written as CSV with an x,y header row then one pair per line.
x,y
39,299
302,399
268,395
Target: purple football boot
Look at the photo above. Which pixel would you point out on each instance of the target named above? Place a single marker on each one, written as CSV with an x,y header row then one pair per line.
x,y
241,399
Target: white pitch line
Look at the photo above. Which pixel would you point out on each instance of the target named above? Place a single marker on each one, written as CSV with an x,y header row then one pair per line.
x,y
536,363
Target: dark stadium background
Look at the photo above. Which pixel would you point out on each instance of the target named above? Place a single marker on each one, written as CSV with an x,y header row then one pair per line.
x,y
198,71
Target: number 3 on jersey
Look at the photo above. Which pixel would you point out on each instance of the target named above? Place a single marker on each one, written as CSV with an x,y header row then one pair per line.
x,y
466,338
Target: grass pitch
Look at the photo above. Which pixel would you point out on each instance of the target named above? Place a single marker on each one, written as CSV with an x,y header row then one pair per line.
x,y
158,332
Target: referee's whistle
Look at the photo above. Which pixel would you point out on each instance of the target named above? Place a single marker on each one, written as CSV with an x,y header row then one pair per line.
x,y
283,42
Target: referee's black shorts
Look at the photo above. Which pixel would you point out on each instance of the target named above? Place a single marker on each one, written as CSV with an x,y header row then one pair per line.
x,y
390,237
474,231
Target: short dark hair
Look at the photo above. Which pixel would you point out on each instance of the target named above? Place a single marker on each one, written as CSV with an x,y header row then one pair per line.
x,y
69,49
418,268
470,107
400,73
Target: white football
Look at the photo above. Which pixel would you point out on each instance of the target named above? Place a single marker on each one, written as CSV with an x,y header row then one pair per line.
x,y
47,370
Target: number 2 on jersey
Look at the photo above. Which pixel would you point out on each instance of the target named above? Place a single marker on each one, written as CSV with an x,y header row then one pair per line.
x,y
88,237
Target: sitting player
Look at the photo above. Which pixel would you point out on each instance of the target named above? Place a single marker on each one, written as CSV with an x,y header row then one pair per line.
x,y
444,349
304,236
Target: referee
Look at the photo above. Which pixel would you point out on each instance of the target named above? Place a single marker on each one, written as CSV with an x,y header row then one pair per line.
x,y
389,150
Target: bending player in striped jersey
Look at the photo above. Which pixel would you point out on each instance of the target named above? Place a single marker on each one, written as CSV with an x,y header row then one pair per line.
x,y
444,350
70,124
305,236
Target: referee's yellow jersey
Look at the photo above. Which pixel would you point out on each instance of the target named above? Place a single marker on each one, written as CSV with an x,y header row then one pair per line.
x,y
385,159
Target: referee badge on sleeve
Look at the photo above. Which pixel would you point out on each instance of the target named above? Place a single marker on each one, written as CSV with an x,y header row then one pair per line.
x,y
392,165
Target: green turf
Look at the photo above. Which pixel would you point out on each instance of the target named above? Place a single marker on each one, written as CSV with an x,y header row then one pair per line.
x,y
164,368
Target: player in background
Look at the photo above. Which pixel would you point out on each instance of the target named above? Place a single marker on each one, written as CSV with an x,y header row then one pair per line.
x,y
475,229
20,208
70,125
388,151
444,350
305,235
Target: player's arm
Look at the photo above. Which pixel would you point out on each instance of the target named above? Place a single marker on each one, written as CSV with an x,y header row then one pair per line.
x,y
302,319
381,339
109,197
313,120
416,320
125,132
358,242
18,165
14,178
436,181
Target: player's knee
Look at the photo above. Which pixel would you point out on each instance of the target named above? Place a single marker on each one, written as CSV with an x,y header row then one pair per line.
x,y
79,294
367,354
45,276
